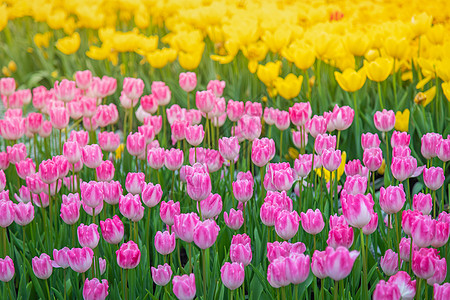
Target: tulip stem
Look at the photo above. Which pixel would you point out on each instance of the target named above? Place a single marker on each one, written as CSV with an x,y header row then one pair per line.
x,y
283,293
394,84
322,283
173,181
335,290
357,135
65,289
409,193
442,189
190,258
281,144
331,190
187,101
5,248
208,130
231,182
231,294
435,203
314,238
419,290
204,272
397,225
364,288
60,142
125,291
338,139
379,95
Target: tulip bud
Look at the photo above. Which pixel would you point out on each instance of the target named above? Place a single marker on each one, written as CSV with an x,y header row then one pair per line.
x,y
161,275
128,255
184,286
42,266
232,275
95,290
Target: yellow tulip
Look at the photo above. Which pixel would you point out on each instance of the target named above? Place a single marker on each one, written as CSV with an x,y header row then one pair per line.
x,y
119,151
3,17
402,120
446,88
269,72
148,44
424,98
6,72
345,62
421,23
382,168
339,171
277,40
158,59
357,43
254,52
379,69
190,61
42,39
443,69
371,55
56,19
436,34
70,44
304,58
351,80
142,18
396,47
290,86
12,66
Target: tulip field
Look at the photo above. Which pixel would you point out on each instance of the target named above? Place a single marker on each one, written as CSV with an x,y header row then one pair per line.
x,y
259,149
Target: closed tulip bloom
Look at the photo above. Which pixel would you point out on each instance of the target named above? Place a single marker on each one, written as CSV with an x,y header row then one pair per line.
x,y
336,220
25,168
243,190
229,148
161,92
270,115
59,116
351,80
276,273
424,262
184,225
24,213
403,167
269,213
6,269
433,177
339,262
403,281
357,209
63,165
165,242
131,207
282,121
250,127
408,219
205,234
95,290
198,186
16,153
370,140
240,249
88,235
61,258
318,264
401,152
235,110
303,164
373,158
216,86
284,249
441,292
440,272
423,203
300,113
300,139
441,234
263,150
135,182
34,122
70,208
135,144
211,206
384,120
65,90
149,104
386,291
173,159
133,87
354,167
405,248
155,158
92,193
317,125
232,275
112,192
204,101
400,139
253,109
331,159
286,224
168,210
342,117
234,219
81,137
355,185
188,81
389,262
194,135
24,192
105,172
443,149
72,151
340,236
184,287
429,144
423,231
151,194
279,177
112,230
4,162
48,171
14,128
372,226
108,141
392,199
92,156
7,86
312,221
297,268
324,141
128,255
83,79
161,275
42,266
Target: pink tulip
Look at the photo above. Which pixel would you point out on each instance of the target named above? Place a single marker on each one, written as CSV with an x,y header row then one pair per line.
x,y
83,79
155,158
173,159
340,236
184,225
63,165
240,249
216,86
386,291
384,120
303,164
12,129
284,249
235,110
165,242
312,221
229,148
433,177
299,140
263,150
357,209
4,162
342,117
155,122
105,172
317,125
135,144
7,86
133,87
134,183
161,92
424,262
372,226
392,199
423,231
92,193
48,171
286,224
205,233
423,203
339,262
232,275
108,141
24,213
81,137
441,292
168,210
403,281
128,255
253,109
408,219
16,153
112,230
370,140
243,190
61,258
324,141
401,152
429,145
65,90
400,139
6,269
403,167
297,268
277,273
318,264
198,185
7,213
70,208
59,116
95,290
188,81
234,219
279,176
72,151
25,168
149,104
250,127
300,113
389,263
88,235
151,194
42,266
24,192
131,207
3,180
373,158
441,234
405,248
211,206
443,149
194,135
178,129
440,272
34,122
161,275
282,121
92,156
355,185
204,101
354,167
112,192
184,286
331,159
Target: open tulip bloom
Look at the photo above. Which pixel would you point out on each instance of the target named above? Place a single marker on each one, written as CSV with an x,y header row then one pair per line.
x,y
175,151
